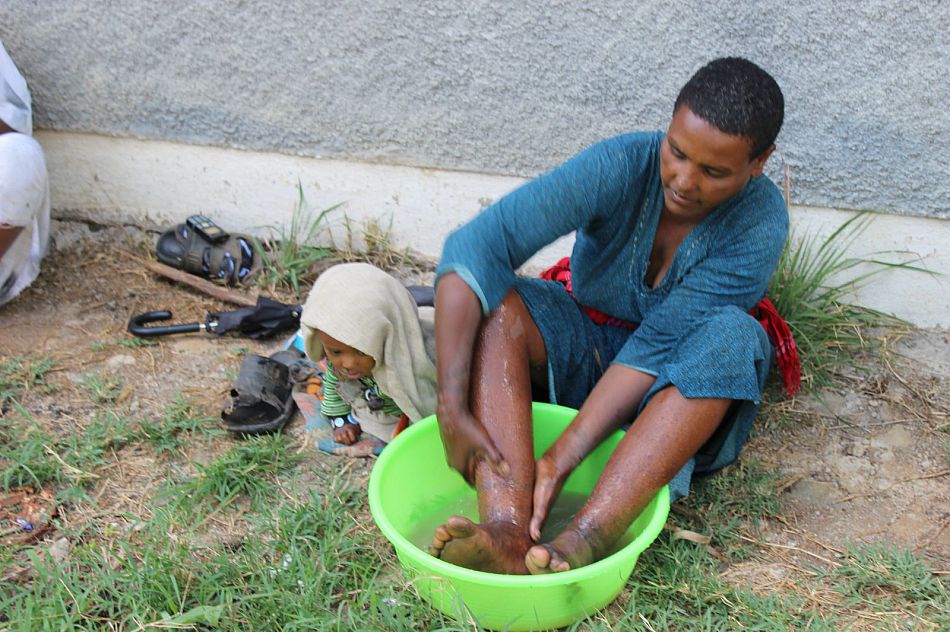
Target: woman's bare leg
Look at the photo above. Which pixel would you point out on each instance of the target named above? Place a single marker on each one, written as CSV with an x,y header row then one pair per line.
x,y
669,431
508,348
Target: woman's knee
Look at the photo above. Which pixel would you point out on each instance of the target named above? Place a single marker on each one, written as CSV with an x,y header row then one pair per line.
x,y
511,324
732,327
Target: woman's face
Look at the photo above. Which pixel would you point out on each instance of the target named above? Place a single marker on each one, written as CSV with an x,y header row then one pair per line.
x,y
350,363
701,166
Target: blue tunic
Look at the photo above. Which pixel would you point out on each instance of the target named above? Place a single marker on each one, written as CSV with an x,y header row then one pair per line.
x,y
692,330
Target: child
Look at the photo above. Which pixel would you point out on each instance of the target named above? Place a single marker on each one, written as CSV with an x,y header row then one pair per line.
x,y
380,372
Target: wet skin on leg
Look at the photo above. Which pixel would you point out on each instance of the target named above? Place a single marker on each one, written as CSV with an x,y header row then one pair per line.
x,y
507,347
669,431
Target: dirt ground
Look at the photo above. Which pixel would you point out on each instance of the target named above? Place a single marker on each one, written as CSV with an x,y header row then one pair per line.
x,y
867,463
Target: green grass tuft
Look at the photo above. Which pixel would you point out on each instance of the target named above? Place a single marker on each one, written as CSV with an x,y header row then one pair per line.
x,y
30,455
886,577
250,469
103,389
177,425
378,248
809,289
729,502
676,586
18,374
290,256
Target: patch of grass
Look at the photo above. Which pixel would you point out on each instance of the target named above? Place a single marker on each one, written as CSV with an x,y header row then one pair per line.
x,y
29,455
132,342
165,434
884,578
103,389
26,454
19,373
305,564
135,342
290,256
250,469
809,288
724,504
676,586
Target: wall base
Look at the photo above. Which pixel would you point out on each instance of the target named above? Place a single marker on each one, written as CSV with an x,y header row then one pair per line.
x,y
156,184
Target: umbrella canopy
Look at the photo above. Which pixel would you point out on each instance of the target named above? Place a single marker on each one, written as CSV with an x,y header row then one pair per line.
x,y
265,319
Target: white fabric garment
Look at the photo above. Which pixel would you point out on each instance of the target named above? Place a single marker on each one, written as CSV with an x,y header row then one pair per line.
x,y
15,108
365,308
24,187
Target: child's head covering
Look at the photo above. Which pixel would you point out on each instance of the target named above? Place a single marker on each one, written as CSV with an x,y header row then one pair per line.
x,y
14,96
365,308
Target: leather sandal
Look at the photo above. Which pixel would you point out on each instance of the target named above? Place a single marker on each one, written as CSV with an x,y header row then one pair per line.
x,y
232,262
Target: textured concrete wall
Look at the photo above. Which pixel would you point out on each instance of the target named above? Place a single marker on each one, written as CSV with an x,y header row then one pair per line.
x,y
498,86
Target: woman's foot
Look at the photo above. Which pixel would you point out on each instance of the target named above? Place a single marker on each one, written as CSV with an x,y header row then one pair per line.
x,y
495,547
568,550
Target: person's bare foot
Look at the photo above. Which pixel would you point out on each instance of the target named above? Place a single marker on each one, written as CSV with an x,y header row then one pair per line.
x,y
568,550
495,547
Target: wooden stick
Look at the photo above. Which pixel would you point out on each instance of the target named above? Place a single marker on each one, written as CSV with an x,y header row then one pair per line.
x,y
202,285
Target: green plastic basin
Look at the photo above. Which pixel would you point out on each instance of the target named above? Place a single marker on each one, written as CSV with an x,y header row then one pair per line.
x,y
411,481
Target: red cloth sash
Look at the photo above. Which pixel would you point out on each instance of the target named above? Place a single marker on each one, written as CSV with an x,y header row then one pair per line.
x,y
786,353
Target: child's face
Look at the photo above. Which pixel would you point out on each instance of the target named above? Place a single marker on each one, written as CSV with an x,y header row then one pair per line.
x,y
701,166
352,364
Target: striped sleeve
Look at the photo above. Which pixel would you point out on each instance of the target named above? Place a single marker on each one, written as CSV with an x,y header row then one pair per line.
x,y
332,404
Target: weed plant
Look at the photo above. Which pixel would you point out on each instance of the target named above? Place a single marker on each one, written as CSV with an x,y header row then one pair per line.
x,y
179,422
732,501
676,586
19,373
290,256
304,565
378,247
132,342
809,288
26,457
103,389
884,578
248,469
29,455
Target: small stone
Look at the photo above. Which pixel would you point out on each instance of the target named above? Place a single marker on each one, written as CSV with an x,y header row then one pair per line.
x,y
116,362
59,550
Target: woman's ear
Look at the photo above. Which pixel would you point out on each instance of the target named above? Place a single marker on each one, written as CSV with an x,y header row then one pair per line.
x,y
758,163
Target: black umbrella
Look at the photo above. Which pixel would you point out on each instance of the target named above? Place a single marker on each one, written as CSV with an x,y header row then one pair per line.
x,y
265,319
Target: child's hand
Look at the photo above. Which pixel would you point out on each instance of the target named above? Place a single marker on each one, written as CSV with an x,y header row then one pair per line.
x,y
347,434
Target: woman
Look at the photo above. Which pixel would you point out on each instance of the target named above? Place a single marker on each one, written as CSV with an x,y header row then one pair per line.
x,y
677,237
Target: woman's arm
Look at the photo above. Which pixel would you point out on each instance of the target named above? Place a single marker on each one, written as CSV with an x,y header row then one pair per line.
x,y
614,401
458,316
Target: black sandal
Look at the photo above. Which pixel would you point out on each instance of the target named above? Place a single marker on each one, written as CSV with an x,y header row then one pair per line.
x,y
262,397
233,262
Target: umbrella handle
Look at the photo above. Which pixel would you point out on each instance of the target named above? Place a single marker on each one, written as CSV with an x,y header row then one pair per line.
x,y
137,325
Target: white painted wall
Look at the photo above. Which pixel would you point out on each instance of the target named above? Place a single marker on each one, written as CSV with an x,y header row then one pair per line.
x,y
156,184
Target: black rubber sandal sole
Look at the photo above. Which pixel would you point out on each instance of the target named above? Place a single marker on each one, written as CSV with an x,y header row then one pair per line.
x,y
261,400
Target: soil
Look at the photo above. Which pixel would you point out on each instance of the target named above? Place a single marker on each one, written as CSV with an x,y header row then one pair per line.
x,y
866,461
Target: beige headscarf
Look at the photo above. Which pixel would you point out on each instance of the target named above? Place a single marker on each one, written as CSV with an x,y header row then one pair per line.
x,y
365,308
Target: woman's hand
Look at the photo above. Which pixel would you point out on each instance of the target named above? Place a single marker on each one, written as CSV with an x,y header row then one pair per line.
x,y
548,480
458,317
466,443
614,400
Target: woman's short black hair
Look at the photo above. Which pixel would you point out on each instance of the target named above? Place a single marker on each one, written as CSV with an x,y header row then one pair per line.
x,y
737,97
